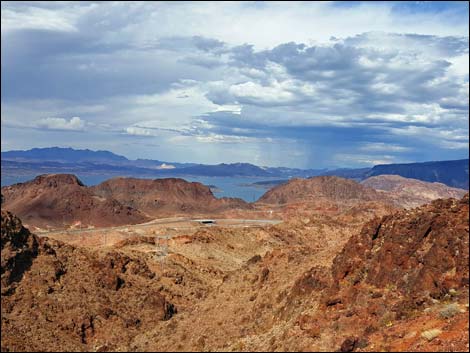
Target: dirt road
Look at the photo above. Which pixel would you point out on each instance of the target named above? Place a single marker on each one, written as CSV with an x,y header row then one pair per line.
x,y
162,228
184,223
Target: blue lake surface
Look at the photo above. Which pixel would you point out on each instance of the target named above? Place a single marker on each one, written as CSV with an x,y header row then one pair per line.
x,y
228,186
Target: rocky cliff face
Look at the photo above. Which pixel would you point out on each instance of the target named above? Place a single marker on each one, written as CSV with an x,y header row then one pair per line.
x,y
19,247
422,251
395,271
56,296
61,199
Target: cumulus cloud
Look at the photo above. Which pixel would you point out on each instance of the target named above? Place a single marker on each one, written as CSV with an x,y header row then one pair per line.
x,y
38,18
74,124
432,45
138,131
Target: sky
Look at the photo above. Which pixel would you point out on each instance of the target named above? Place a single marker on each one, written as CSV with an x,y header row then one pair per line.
x,y
294,84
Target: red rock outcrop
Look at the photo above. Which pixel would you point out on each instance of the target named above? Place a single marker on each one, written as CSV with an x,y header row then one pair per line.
x,y
323,187
59,200
422,251
166,196
335,278
19,247
56,296
393,270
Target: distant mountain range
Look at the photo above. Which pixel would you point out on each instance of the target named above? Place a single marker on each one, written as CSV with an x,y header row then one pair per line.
x,y
70,155
69,160
452,173
86,162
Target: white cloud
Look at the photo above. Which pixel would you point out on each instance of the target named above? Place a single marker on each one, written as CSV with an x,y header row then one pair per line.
x,y
61,18
364,159
266,24
383,147
74,124
217,138
138,131
258,94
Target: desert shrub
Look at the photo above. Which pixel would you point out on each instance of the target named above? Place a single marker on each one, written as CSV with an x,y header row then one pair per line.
x,y
449,310
431,334
387,319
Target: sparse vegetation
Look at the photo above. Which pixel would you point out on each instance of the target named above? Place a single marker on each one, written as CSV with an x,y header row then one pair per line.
x,y
387,319
449,310
235,288
431,334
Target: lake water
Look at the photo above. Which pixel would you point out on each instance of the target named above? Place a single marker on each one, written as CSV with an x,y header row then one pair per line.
x,y
227,186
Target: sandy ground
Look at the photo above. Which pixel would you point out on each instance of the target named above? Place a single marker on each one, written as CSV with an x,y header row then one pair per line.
x,y
162,228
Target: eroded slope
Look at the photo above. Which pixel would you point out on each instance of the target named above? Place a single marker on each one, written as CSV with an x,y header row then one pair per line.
x,y
59,297
59,200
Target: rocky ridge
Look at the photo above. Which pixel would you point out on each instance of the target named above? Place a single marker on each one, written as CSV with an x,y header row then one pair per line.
x,y
410,193
166,196
57,200
56,296
316,188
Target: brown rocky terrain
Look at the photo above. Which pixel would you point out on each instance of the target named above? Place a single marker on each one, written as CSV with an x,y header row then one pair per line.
x,y
409,193
317,188
162,197
239,270
292,295
61,200
344,271
58,200
409,270
59,297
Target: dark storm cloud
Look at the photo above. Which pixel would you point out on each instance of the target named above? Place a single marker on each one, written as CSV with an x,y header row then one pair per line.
x,y
70,65
338,70
356,83
136,66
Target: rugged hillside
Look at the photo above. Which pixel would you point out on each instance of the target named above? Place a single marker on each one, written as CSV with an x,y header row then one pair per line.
x,y
58,297
396,285
407,270
343,280
434,260
313,189
242,289
165,196
452,173
57,200
409,193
